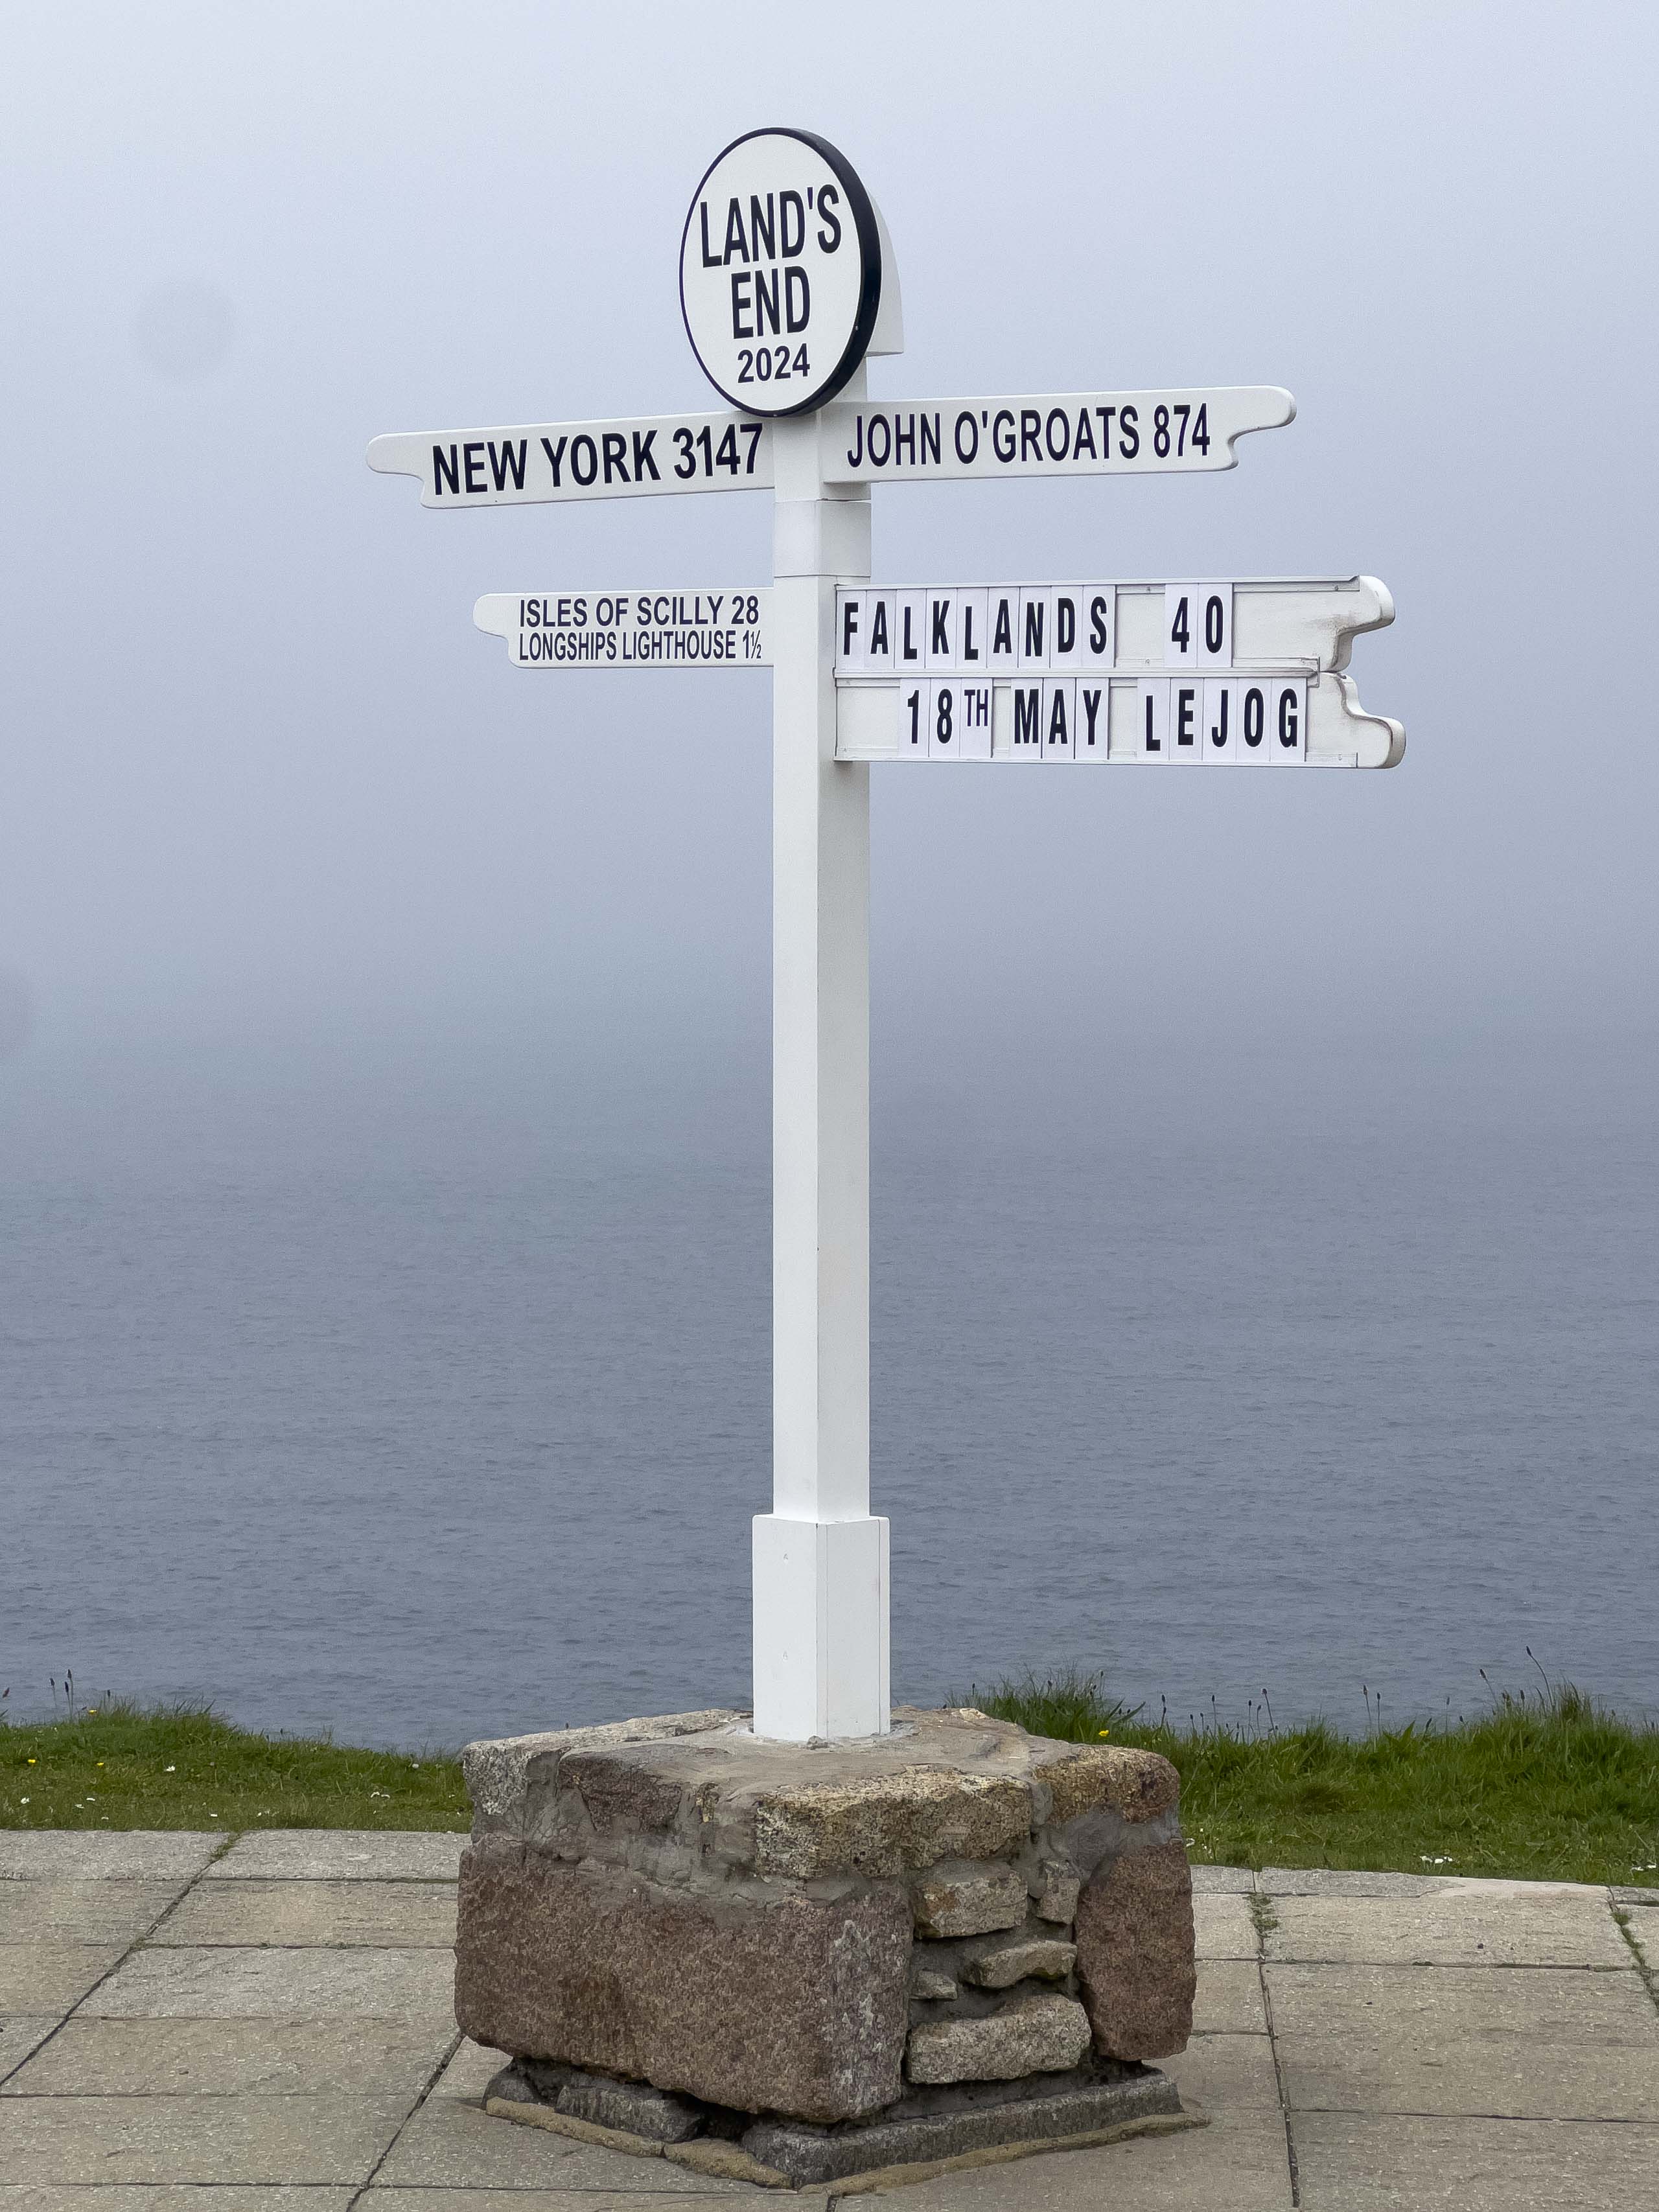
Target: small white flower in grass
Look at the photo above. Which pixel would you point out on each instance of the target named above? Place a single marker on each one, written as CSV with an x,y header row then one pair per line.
x,y
1427,1861
24,1800
169,1770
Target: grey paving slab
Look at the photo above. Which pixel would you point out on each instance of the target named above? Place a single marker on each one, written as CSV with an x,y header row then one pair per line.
x,y
115,2197
51,1976
567,2200
1495,1924
111,1911
22,2033
341,1855
1218,2074
403,1914
450,2144
223,1983
116,1854
1229,1998
1644,1933
1330,1881
183,2139
1512,2042
470,2072
1625,1895
1368,2162
369,2058
1211,1880
1224,1928
1235,2165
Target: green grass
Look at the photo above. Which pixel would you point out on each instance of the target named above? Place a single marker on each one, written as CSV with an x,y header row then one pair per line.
x,y
180,1766
1542,1787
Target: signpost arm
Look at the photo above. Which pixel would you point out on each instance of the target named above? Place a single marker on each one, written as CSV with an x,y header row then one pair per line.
x,y
820,1559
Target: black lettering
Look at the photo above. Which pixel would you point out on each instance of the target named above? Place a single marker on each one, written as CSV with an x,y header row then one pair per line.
x,y
615,447
576,445
762,226
902,438
940,647
709,260
1256,717
879,460
1030,434
1289,727
555,455
969,650
1058,732
849,625
509,461
929,437
1004,452
1058,415
796,301
1129,436
1185,696
1028,725
1034,629
643,464
789,203
879,642
855,452
1083,442
1218,731
908,650
1090,703
828,221
452,469
1002,637
970,452
1105,414
1065,625
766,303
472,462
735,241
740,306
1099,616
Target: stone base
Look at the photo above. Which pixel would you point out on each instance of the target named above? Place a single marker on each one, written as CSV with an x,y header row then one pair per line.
x,y
668,1919
1042,2112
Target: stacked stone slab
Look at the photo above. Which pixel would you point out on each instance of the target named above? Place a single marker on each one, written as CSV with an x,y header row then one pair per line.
x,y
828,1937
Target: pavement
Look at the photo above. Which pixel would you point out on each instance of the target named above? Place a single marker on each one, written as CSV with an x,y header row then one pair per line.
x,y
190,2023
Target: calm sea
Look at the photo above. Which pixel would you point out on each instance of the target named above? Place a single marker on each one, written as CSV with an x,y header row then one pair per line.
x,y
420,1397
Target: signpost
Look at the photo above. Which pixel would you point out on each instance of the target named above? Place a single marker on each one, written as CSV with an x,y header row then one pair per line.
x,y
788,284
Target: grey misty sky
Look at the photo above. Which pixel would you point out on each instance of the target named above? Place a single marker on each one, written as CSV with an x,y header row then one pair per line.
x,y
259,772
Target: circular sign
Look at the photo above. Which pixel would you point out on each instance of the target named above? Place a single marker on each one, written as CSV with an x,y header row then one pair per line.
x,y
779,273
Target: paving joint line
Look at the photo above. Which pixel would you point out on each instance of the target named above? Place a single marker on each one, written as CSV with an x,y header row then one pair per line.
x,y
1265,1919
137,1945
1621,1922
428,2087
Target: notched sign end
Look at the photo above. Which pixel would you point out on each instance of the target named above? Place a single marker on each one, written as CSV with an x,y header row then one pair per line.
x,y
1270,405
1339,729
397,453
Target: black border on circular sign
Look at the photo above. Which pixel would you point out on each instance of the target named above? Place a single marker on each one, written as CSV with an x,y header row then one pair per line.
x,y
869,237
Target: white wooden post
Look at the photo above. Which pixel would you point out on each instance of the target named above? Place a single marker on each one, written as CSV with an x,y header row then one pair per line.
x,y
820,1559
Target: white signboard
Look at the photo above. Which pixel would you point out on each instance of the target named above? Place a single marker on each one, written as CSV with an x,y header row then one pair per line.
x,y
531,462
1056,434
781,272
1228,672
675,628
